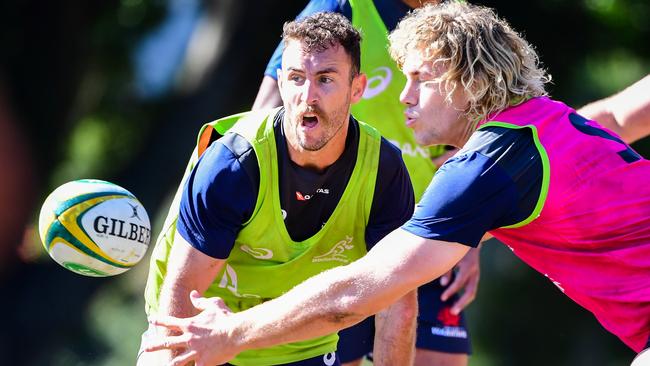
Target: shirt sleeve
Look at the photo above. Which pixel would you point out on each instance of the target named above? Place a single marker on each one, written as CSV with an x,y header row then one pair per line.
x,y
393,200
314,6
480,189
218,198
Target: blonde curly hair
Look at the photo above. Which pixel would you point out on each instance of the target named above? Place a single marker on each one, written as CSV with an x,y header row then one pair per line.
x,y
481,54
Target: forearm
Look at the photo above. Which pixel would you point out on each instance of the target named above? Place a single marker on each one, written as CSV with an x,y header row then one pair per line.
x,y
601,112
346,295
187,270
626,113
395,332
268,96
175,299
333,300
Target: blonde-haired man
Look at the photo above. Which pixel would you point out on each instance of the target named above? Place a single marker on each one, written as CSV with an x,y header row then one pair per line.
x,y
569,197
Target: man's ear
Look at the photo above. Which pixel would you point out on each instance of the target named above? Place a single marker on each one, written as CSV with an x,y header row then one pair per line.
x,y
359,83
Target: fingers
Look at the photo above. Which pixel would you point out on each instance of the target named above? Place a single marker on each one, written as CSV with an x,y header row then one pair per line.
x,y
183,359
454,287
199,302
162,343
466,279
445,278
468,296
203,303
169,322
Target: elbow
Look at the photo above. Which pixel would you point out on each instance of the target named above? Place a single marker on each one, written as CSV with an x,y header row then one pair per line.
x,y
343,318
347,311
350,305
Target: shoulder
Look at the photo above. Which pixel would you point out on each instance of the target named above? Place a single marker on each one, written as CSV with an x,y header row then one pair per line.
x,y
493,181
219,196
228,157
492,140
390,156
393,199
512,149
499,167
493,156
237,145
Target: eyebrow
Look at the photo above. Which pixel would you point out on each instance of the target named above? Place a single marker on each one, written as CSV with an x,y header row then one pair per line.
x,y
291,68
327,70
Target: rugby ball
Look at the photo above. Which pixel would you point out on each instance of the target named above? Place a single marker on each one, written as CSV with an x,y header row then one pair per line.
x,y
94,228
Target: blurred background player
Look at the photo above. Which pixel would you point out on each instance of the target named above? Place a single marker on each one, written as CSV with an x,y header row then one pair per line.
x,y
442,334
329,188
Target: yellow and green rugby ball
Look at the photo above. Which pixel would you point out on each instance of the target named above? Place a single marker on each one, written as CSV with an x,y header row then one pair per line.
x,y
94,228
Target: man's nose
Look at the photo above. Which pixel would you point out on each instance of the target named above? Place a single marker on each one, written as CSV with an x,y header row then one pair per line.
x,y
309,93
409,95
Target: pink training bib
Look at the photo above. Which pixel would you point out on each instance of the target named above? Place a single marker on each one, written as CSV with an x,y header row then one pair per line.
x,y
590,233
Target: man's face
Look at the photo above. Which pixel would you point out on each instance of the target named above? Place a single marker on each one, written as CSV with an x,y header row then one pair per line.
x,y
317,93
434,121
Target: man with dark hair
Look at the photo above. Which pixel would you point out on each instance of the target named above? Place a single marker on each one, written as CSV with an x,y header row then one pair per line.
x,y
286,194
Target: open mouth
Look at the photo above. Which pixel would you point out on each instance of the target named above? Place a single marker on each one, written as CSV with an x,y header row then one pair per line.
x,y
309,121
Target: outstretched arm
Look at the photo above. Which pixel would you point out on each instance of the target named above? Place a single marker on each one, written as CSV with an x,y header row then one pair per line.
x,y
626,113
323,304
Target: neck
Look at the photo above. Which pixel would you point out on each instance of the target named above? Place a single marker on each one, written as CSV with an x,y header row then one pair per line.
x,y
318,160
466,129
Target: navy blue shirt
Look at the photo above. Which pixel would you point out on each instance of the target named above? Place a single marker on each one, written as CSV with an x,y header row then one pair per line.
x,y
494,181
221,192
390,11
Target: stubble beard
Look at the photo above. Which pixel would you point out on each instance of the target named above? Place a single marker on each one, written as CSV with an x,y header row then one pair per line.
x,y
330,125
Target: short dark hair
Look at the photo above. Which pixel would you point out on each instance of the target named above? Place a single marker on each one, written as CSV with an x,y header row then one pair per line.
x,y
323,30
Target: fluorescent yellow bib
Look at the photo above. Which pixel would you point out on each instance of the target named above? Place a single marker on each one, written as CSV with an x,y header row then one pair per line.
x,y
265,262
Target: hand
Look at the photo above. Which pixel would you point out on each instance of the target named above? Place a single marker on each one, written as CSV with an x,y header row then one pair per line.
x,y
204,338
467,277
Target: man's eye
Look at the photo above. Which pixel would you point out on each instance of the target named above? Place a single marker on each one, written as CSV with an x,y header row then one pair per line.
x,y
325,79
295,78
